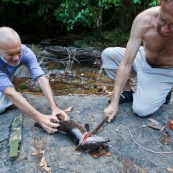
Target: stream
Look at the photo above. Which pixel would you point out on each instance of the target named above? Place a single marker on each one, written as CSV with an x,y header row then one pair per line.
x,y
70,77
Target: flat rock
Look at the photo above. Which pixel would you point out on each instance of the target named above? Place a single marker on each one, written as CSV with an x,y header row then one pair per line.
x,y
59,151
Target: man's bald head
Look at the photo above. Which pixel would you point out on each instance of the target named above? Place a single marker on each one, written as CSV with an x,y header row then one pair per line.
x,y
8,36
10,46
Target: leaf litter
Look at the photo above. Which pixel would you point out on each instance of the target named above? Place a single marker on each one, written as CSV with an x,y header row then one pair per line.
x,y
40,148
69,109
154,124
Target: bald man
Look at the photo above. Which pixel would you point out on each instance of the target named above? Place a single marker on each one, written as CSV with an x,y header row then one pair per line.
x,y
17,64
152,62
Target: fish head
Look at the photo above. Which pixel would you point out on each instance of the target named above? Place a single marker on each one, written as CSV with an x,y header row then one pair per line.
x,y
92,143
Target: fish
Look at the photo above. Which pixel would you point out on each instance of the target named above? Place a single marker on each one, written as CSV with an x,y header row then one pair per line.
x,y
81,136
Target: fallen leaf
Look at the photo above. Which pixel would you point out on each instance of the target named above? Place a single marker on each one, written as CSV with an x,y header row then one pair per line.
x,y
43,161
47,168
34,154
68,109
107,154
170,169
52,80
37,153
165,139
155,126
153,121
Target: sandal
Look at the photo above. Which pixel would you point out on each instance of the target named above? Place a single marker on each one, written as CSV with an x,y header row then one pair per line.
x,y
125,97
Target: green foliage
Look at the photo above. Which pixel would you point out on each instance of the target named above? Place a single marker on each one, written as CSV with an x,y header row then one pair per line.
x,y
136,1
101,40
75,12
85,13
107,4
49,16
26,2
153,3
88,13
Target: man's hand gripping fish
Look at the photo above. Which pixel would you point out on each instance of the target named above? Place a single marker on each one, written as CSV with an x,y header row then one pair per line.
x,y
79,134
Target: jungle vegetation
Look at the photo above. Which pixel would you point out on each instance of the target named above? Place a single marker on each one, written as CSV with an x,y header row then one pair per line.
x,y
102,19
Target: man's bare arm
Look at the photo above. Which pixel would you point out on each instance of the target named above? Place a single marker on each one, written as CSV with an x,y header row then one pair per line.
x,y
47,90
27,108
125,67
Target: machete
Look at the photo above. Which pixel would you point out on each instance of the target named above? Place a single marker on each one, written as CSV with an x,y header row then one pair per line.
x,y
15,136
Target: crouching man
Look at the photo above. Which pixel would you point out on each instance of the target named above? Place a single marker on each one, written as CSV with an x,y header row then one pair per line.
x,y
149,54
17,64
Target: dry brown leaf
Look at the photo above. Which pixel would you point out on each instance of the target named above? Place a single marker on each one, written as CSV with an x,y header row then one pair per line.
x,y
37,153
162,128
34,154
47,168
170,169
107,154
153,121
68,109
155,126
165,139
43,161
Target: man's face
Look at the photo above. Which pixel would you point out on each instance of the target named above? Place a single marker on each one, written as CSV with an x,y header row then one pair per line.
x,y
165,19
11,53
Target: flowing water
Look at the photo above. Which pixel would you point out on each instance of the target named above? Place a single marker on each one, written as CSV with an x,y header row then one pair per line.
x,y
84,78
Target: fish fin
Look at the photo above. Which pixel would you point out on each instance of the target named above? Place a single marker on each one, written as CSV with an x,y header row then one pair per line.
x,y
87,127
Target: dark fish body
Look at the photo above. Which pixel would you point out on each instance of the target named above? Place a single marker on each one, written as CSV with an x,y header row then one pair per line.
x,y
80,136
72,129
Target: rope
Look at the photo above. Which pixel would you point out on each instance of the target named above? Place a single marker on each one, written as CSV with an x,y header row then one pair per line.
x,y
156,152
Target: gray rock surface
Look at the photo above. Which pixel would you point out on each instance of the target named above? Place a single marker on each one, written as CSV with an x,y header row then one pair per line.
x,y
127,156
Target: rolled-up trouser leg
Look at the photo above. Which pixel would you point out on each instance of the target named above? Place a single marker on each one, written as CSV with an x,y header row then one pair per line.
x,y
4,102
111,58
22,71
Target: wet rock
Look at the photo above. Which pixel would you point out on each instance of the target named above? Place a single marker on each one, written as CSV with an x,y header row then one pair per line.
x,y
60,154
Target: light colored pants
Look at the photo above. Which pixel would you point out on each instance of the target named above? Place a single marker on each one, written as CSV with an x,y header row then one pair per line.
x,y
153,84
22,71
